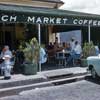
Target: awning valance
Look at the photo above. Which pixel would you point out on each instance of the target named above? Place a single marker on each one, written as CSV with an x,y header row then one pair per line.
x,y
26,14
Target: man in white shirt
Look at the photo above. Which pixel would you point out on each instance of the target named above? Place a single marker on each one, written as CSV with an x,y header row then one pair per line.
x,y
43,57
72,44
6,54
76,54
77,49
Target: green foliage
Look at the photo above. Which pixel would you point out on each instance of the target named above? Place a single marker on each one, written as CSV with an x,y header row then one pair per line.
x,y
31,51
88,49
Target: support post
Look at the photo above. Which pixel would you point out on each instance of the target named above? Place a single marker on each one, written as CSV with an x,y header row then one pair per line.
x,y
89,33
39,39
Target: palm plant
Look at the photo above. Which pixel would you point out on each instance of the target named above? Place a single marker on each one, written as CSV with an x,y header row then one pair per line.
x,y
31,54
88,49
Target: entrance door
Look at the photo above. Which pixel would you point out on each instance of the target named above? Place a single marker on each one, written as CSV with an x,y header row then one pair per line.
x,y
7,35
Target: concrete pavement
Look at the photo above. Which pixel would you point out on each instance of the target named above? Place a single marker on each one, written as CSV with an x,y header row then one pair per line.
x,y
82,90
21,82
45,74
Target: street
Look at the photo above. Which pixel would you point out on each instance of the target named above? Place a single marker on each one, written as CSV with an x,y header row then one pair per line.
x,y
82,90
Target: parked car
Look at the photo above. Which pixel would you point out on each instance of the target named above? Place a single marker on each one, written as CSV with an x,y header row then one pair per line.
x,y
94,65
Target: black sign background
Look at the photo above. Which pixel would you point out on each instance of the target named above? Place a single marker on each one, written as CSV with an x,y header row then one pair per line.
x,y
23,18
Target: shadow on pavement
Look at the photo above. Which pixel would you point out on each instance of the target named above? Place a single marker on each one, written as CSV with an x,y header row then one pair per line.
x,y
96,81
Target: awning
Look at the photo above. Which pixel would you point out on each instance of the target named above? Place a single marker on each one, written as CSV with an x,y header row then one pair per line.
x,y
28,14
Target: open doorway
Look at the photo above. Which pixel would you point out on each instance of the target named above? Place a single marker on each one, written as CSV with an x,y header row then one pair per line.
x,y
7,35
8,38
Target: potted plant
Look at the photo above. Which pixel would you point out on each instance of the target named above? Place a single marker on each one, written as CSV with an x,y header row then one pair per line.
x,y
31,54
88,50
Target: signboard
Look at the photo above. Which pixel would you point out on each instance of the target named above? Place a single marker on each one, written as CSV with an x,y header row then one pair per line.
x,y
17,18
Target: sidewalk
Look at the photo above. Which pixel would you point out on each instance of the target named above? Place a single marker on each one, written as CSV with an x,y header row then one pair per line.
x,y
19,82
45,74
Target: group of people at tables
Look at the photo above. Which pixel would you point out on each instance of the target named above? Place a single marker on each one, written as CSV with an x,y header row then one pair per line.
x,y
72,48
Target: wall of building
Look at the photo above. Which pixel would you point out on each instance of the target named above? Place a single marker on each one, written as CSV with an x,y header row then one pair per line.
x,y
19,30
51,35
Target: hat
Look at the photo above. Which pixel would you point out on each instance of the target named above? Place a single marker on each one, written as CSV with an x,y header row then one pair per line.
x,y
6,56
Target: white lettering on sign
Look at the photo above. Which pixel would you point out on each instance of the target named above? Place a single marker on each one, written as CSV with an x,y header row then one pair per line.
x,y
94,22
80,22
75,21
65,20
38,20
98,23
49,20
90,22
52,20
9,18
46,20
4,18
31,19
85,22
58,20
13,18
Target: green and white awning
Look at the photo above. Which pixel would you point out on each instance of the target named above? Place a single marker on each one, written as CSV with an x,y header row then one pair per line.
x,y
26,14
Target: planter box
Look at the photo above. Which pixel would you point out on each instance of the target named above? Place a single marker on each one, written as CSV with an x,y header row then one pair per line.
x,y
29,69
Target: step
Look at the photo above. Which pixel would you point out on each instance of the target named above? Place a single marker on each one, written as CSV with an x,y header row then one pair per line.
x,y
68,80
56,73
44,77
22,81
64,72
16,90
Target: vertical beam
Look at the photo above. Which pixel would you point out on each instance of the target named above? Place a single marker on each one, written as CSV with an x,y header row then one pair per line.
x,y
89,33
39,39
3,40
39,34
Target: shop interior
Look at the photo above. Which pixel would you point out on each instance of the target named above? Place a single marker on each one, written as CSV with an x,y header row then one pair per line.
x,y
12,33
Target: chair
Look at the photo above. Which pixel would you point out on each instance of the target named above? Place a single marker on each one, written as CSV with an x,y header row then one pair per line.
x,y
51,56
12,63
60,58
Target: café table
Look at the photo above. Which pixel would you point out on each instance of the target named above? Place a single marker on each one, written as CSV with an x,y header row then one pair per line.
x,y
61,58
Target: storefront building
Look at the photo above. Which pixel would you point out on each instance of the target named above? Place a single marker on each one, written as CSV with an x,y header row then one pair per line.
x,y
21,19
18,22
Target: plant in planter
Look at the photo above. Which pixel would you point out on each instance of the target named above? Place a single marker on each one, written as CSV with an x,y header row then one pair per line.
x,y
88,50
31,53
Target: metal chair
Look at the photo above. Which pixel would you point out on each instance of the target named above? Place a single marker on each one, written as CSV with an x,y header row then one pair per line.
x,y
60,59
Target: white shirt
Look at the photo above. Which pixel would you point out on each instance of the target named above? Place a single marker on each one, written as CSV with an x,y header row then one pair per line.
x,y
8,52
72,45
43,57
78,49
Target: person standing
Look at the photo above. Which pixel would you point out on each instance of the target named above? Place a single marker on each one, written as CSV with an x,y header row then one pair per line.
x,y
72,44
6,54
43,55
77,50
